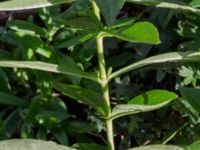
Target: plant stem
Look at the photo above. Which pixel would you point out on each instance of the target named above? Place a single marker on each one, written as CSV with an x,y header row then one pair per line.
x,y
104,81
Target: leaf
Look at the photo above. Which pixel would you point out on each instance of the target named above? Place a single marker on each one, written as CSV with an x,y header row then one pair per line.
x,y
12,100
110,9
85,146
192,96
92,98
148,101
177,5
29,144
133,33
157,147
48,67
162,58
27,27
33,43
61,136
194,146
12,5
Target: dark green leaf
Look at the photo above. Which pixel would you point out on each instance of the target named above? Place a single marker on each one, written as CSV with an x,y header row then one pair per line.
x,y
8,99
92,98
27,27
85,146
110,9
192,95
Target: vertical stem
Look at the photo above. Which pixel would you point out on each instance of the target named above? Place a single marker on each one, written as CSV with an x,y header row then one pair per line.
x,y
104,80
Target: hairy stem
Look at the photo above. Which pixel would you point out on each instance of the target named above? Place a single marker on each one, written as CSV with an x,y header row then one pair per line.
x,y
104,81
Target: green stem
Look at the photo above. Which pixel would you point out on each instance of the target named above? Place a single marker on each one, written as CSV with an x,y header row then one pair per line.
x,y
104,80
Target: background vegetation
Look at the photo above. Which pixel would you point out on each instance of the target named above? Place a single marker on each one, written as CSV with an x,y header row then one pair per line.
x,y
40,105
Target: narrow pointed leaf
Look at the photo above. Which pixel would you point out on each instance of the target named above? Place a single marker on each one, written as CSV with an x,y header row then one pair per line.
x,y
158,147
29,144
148,101
91,98
110,9
27,27
10,5
48,67
192,95
133,33
162,58
8,99
177,5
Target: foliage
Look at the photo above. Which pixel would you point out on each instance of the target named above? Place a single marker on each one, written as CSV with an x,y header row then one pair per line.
x,y
58,55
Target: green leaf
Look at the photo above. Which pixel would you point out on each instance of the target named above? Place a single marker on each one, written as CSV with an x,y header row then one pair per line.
x,y
11,5
12,100
85,146
91,98
133,33
34,44
48,67
177,5
110,9
61,136
148,101
157,147
153,97
28,144
194,146
192,96
162,58
27,27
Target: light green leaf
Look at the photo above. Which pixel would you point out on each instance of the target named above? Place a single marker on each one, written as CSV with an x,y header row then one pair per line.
x,y
162,58
177,5
194,146
192,95
37,65
133,33
29,144
110,9
11,5
158,147
92,98
148,101
8,99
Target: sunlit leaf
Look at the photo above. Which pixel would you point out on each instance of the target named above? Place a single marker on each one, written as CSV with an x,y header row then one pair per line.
x,y
157,147
148,101
11,5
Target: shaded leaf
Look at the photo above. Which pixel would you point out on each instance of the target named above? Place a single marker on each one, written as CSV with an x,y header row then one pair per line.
x,y
192,95
86,146
110,9
92,98
8,99
27,27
